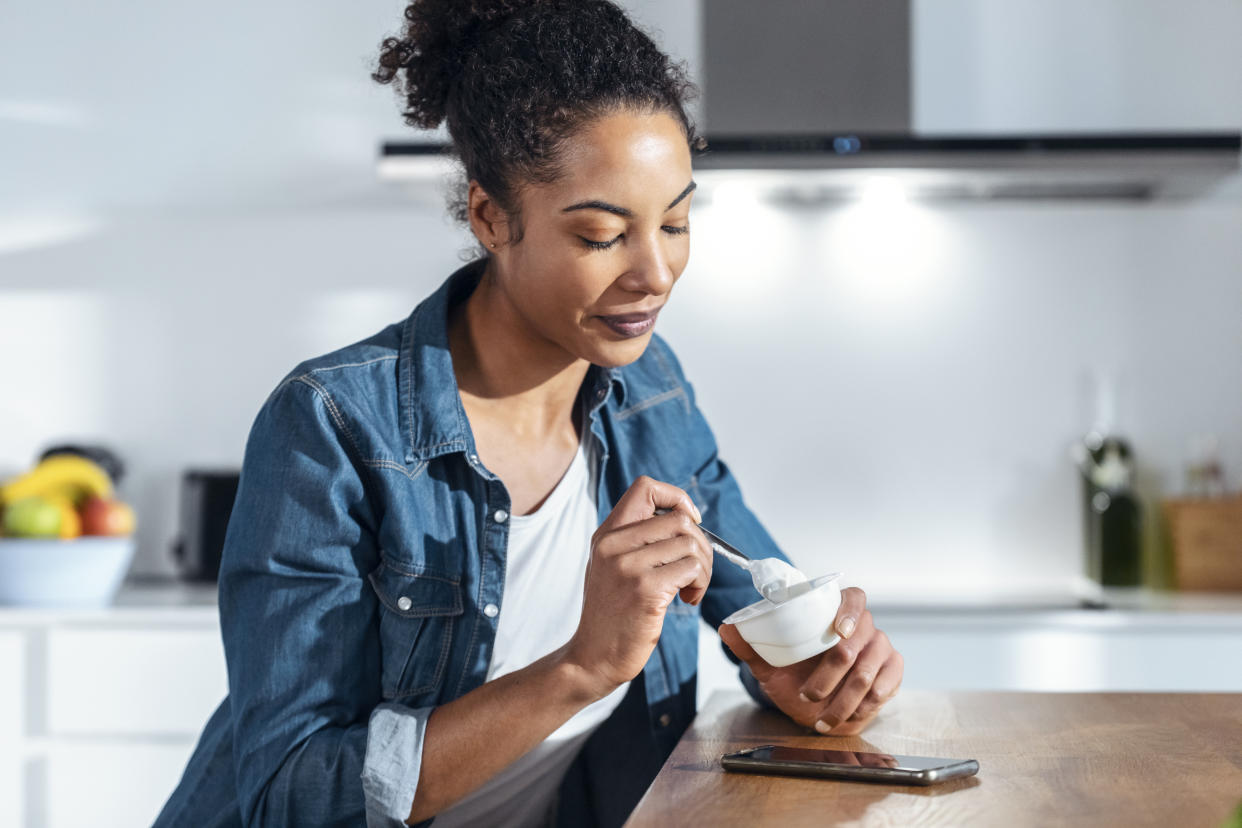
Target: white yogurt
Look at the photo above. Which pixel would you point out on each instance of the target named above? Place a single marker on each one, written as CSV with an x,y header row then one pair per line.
x,y
777,580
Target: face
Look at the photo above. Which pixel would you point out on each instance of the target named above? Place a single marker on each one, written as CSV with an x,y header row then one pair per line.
x,y
604,245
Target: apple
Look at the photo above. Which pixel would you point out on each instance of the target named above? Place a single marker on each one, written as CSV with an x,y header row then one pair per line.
x,y
106,516
32,517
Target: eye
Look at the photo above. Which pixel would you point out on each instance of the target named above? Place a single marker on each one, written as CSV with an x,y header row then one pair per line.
x,y
599,245
604,245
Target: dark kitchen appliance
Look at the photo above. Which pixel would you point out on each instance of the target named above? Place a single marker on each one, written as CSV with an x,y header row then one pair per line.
x,y
206,503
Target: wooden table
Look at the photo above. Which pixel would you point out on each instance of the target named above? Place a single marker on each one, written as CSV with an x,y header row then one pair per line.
x,y
1130,759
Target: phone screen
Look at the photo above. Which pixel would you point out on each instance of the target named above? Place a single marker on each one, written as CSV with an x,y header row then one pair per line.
x,y
851,757
849,765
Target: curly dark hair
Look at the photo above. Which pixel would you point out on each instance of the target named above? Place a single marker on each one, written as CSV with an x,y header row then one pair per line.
x,y
515,79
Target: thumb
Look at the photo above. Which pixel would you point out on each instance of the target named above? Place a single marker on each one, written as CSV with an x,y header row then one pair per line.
x,y
733,639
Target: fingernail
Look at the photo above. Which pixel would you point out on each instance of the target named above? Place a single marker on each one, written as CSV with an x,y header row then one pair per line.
x,y
846,627
804,697
698,516
822,726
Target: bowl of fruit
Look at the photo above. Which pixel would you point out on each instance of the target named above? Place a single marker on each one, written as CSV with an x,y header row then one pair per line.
x,y
66,540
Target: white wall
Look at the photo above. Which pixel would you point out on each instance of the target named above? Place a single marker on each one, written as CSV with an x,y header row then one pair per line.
x,y
918,388
898,391
190,208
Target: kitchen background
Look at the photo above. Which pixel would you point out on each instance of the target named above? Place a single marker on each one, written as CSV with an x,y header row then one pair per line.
x,y
190,206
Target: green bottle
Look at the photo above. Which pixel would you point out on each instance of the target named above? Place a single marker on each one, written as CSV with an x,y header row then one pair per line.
x,y
1112,513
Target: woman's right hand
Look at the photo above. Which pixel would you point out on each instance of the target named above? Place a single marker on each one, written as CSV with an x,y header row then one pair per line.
x,y
639,562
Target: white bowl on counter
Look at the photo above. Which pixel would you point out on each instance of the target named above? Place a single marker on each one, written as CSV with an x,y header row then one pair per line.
x,y
74,572
791,631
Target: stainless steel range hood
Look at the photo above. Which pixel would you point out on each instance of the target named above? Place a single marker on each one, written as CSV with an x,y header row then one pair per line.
x,y
817,97
1121,166
812,102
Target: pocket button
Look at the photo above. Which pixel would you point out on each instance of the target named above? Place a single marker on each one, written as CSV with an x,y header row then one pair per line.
x,y
404,603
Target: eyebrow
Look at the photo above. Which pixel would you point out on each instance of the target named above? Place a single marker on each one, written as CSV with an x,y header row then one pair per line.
x,y
622,211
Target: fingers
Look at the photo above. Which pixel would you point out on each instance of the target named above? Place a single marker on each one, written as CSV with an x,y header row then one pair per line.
x,y
853,605
652,530
885,686
660,570
834,664
664,552
857,684
642,498
685,575
656,542
733,639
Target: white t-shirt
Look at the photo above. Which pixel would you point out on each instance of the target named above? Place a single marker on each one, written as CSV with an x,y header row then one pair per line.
x,y
544,576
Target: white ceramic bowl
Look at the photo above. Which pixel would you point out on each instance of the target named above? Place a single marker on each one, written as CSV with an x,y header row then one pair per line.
x,y
794,630
76,572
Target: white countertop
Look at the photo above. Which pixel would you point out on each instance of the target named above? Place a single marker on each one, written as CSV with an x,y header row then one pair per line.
x,y
168,601
140,603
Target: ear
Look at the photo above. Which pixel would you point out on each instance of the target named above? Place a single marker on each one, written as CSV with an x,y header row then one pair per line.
x,y
489,223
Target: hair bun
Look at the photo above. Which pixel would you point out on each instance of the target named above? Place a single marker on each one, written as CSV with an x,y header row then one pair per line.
x,y
433,48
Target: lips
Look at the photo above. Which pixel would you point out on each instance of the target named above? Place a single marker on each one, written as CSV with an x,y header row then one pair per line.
x,y
631,324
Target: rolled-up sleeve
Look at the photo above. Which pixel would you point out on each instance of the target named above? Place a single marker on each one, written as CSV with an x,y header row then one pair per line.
x,y
394,755
313,743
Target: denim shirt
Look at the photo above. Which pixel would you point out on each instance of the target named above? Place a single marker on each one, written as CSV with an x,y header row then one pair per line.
x,y
363,575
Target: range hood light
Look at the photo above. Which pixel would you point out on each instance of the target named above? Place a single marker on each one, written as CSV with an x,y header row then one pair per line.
x,y
735,196
883,192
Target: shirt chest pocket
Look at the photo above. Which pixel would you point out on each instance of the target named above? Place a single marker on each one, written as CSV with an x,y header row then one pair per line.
x,y
417,615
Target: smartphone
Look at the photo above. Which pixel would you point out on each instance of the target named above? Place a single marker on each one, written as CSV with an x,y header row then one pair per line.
x,y
849,764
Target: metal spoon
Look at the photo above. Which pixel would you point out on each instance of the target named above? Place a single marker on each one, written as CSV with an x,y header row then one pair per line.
x,y
760,570
722,547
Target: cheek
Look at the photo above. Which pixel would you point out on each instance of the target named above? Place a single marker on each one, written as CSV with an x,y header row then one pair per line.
x,y
679,260
562,290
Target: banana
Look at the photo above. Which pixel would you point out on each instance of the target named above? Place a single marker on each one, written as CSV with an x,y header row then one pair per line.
x,y
64,475
70,521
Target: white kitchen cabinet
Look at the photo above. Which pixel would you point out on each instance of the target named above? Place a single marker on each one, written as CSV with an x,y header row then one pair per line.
x,y
117,782
142,681
101,709
12,713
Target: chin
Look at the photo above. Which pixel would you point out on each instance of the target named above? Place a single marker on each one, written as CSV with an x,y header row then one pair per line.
x,y
619,353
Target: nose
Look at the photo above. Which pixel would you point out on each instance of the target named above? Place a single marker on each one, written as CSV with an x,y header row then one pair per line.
x,y
650,268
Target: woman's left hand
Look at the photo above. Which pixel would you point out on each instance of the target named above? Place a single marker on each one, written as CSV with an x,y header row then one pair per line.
x,y
841,690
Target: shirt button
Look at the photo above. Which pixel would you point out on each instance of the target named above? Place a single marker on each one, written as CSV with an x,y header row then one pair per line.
x,y
665,720
500,516
491,610
474,458
601,393
404,603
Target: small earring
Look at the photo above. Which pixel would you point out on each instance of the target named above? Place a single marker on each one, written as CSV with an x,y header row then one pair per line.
x,y
493,244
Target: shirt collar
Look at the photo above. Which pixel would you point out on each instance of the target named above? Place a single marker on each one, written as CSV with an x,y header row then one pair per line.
x,y
431,411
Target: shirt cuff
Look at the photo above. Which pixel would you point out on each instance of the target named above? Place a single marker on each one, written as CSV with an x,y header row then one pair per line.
x,y
393,760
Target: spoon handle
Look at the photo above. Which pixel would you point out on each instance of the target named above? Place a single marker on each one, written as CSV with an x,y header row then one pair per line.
x,y
730,552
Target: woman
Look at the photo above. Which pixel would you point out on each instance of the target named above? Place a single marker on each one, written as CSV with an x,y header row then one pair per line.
x,y
446,591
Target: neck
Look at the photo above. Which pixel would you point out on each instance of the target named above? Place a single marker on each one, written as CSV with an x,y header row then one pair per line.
x,y
501,363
